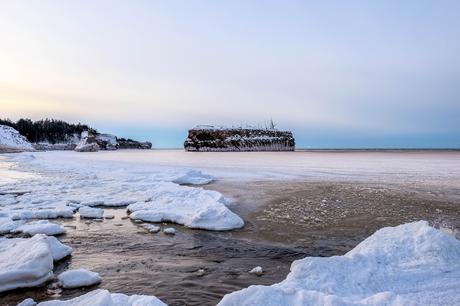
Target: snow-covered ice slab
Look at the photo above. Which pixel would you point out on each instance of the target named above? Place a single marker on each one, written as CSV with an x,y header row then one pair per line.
x,y
410,264
190,206
40,227
7,225
78,278
102,297
28,262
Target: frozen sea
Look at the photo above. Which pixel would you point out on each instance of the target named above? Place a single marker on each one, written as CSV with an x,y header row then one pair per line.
x,y
293,204
425,167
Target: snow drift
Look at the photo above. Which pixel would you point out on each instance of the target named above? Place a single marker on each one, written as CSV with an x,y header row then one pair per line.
x,y
410,264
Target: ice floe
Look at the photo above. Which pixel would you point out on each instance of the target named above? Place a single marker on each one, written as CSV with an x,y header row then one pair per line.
x,y
101,297
28,262
189,206
27,302
58,249
90,212
40,227
257,271
194,177
169,231
410,264
78,278
152,228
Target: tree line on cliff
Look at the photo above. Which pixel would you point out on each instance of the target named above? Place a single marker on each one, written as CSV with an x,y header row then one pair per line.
x,y
50,130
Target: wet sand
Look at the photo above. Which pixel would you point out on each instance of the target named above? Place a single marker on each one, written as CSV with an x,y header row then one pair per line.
x,y
341,213
285,221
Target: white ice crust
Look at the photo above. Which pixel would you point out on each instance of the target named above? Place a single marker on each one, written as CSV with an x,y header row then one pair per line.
x,y
70,181
410,264
78,278
28,262
101,297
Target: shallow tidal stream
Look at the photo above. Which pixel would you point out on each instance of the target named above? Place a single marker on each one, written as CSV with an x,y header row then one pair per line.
x,y
134,261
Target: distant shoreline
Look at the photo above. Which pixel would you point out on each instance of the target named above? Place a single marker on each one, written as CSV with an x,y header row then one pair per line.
x,y
344,150
355,150
378,149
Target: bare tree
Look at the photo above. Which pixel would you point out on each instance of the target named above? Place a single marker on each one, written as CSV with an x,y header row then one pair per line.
x,y
272,124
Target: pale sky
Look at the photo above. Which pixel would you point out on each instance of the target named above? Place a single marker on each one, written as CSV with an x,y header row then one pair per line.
x,y
336,73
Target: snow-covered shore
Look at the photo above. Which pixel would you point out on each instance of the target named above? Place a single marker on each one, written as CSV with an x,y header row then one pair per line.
x,y
67,183
410,264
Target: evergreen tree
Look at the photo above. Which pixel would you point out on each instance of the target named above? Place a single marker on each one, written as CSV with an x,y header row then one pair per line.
x,y
50,130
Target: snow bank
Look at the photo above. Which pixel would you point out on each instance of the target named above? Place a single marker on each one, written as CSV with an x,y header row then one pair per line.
x,y
411,264
28,262
192,207
40,227
78,278
11,140
102,297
